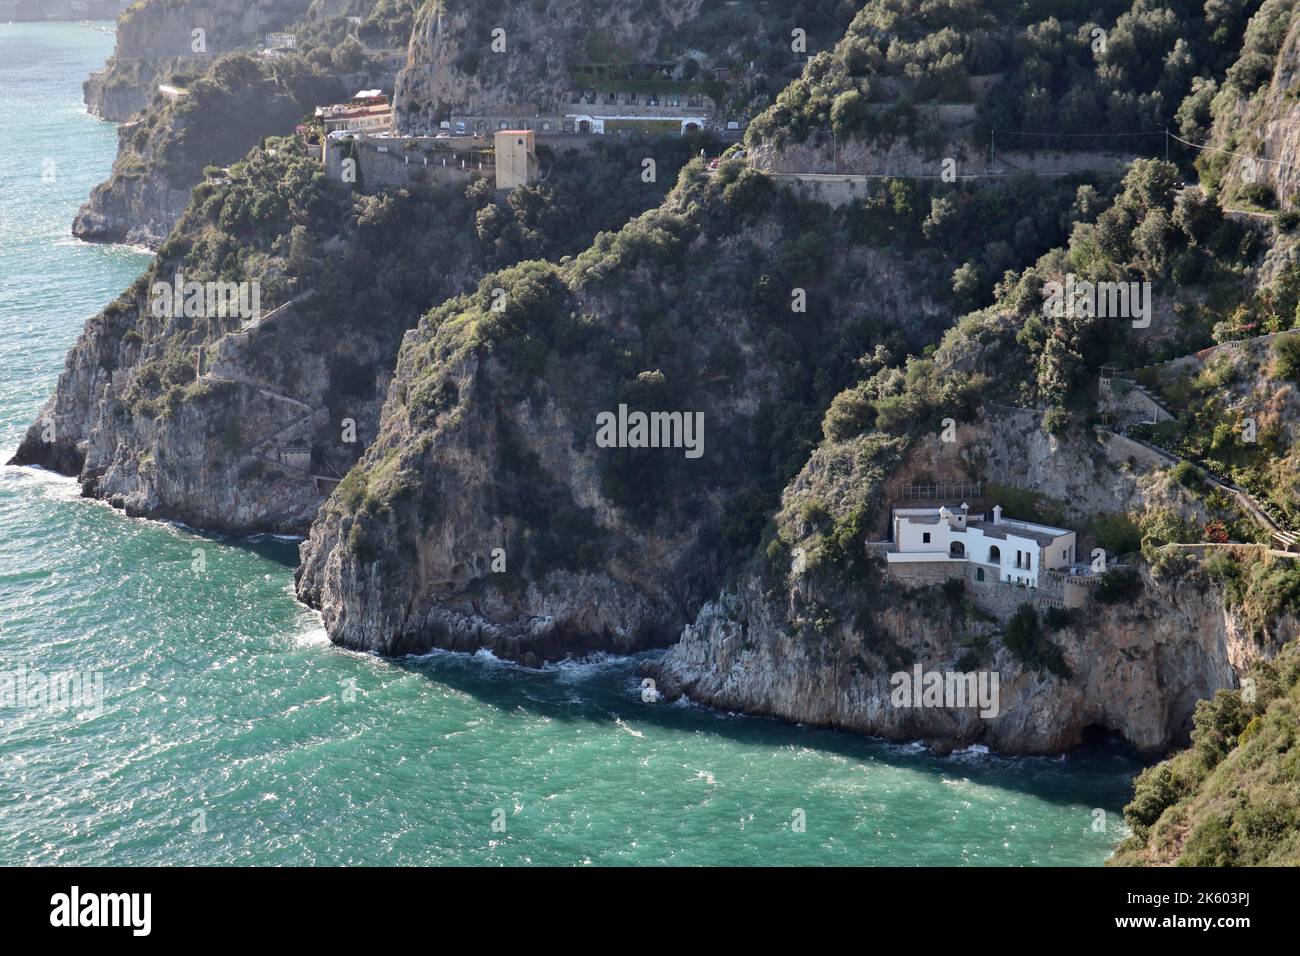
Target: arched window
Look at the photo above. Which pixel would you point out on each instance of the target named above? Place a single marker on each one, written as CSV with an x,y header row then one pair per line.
x,y
956,550
995,554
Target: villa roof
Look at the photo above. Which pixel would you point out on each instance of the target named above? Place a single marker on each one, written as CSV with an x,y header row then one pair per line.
x,y
1043,535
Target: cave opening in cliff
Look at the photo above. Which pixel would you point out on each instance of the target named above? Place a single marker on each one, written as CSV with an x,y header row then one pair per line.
x,y
1097,735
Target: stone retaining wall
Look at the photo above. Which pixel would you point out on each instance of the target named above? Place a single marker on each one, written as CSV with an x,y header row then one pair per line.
x,y
991,595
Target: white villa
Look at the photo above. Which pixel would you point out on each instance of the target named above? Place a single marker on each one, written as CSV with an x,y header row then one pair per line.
x,y
1015,552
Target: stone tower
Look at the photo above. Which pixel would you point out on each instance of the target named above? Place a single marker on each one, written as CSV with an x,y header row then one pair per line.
x,y
516,157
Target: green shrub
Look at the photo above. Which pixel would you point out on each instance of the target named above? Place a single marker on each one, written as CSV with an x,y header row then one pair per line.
x,y
1259,194
1189,476
1211,843
1118,534
1055,421
1217,724
1025,639
351,491
1286,357
1155,790
1119,586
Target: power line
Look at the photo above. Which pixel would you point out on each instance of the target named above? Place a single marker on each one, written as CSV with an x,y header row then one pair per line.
x,y
1029,132
1217,149
1155,132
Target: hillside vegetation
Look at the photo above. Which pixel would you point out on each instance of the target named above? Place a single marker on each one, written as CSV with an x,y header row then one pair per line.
x,y
1233,799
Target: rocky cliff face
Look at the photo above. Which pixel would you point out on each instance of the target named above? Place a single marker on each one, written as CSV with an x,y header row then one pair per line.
x,y
233,441
452,65
1137,671
1232,798
812,643
1254,112
219,117
249,437
18,11
155,37
217,453
489,515
136,205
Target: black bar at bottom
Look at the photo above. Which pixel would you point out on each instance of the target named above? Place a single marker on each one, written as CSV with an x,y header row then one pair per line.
x,y
333,906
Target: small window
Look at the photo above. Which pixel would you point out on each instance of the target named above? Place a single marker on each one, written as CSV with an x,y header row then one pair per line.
x,y
925,537
979,574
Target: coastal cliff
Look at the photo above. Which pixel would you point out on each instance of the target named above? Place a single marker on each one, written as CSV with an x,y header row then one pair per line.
x,y
214,121
215,106
817,640
489,446
232,422
1250,118
1135,672
802,360
158,37
244,422
1233,797
19,11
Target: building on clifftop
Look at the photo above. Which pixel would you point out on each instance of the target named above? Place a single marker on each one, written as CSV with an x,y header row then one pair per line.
x,y
1001,549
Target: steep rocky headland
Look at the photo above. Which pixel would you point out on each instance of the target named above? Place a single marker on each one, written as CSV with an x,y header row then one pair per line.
x,y
489,442
1233,797
163,153
811,363
244,422
19,11
157,37
215,107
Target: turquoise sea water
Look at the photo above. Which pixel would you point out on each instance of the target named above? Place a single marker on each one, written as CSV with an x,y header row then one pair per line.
x,y
231,731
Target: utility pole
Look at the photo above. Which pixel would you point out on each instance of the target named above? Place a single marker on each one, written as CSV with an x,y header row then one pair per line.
x,y
1166,144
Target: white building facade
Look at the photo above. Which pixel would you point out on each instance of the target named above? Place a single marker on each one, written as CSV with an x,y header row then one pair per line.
x,y
1002,549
